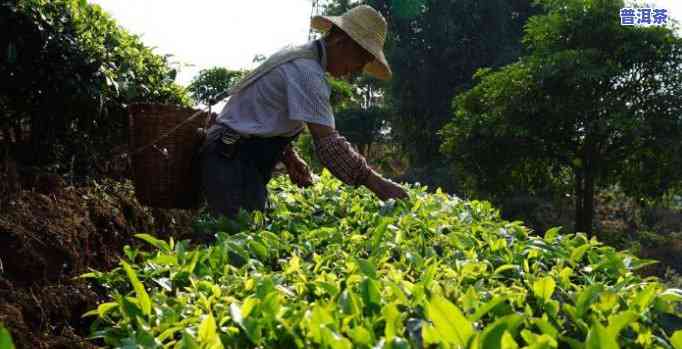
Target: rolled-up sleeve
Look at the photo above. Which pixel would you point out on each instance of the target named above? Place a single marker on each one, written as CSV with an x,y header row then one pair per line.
x,y
308,93
339,157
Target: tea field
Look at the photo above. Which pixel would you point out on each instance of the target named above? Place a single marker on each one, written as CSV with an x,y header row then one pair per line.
x,y
333,267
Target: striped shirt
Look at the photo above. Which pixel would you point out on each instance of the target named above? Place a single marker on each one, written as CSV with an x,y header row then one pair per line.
x,y
283,100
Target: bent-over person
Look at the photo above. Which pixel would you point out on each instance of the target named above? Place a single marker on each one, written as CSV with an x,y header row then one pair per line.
x,y
269,107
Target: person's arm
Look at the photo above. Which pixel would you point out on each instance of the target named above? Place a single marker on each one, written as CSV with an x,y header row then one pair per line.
x,y
308,96
339,157
298,170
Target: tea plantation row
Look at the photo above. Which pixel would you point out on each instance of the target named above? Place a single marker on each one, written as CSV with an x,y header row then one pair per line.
x,y
332,267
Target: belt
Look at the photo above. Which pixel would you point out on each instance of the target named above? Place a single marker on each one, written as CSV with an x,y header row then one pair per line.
x,y
228,135
231,136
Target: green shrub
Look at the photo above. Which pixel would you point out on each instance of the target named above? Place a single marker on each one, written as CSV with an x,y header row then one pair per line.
x,y
332,267
5,338
68,73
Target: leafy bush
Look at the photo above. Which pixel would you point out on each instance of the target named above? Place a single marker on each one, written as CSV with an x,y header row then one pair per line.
x,y
68,72
5,338
332,267
209,83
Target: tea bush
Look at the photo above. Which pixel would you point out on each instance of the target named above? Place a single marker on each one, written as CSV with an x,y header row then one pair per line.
x,y
5,338
332,267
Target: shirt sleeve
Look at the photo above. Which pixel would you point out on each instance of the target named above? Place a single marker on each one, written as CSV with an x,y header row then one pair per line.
x,y
308,94
337,155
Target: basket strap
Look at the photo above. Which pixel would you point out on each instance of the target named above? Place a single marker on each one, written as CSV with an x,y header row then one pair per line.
x,y
271,63
163,136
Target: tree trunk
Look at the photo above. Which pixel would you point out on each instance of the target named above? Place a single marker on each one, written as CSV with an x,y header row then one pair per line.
x,y
584,214
588,203
578,200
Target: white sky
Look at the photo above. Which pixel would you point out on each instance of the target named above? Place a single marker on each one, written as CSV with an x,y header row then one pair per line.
x,y
228,33
207,33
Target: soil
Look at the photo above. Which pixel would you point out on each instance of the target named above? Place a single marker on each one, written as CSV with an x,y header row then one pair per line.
x,y
51,234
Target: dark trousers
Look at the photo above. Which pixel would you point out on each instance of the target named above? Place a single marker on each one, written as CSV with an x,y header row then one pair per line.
x,y
236,178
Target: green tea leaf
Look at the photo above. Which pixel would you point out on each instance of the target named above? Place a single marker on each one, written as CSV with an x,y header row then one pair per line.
x,y
551,234
676,340
207,330
5,339
393,324
578,253
160,244
546,327
449,323
491,338
141,294
599,338
367,268
369,290
488,306
619,321
248,305
508,342
585,298
188,342
544,288
259,249
646,296
104,308
361,336
501,269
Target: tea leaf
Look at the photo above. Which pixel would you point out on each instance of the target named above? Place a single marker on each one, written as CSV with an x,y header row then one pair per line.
x,y
544,288
160,244
5,339
599,338
676,340
493,333
141,294
449,323
207,330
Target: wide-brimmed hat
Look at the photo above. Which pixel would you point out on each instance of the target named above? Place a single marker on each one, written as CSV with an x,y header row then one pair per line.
x,y
368,28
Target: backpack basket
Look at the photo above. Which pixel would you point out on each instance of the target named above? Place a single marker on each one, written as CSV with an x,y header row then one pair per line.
x,y
166,170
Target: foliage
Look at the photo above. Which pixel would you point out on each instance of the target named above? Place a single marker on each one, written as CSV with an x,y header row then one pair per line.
x,y
305,147
434,47
68,73
593,103
5,338
363,127
211,82
334,268
343,94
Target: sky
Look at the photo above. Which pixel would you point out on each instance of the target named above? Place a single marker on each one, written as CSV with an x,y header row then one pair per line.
x,y
228,33
208,33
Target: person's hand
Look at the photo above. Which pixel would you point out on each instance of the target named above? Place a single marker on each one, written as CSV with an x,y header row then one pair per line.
x,y
298,170
383,188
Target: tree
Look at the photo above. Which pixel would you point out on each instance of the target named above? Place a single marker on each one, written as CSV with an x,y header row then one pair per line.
x,y
434,47
211,82
68,73
362,127
592,103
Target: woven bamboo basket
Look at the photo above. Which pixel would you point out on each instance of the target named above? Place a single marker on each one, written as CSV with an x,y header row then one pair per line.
x,y
166,173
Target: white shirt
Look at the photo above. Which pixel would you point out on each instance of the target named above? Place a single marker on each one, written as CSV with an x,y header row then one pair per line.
x,y
283,100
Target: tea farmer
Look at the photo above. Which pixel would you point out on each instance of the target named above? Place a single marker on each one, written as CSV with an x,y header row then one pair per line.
x,y
269,107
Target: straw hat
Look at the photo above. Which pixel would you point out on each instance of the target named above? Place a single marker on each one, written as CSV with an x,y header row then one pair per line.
x,y
368,28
